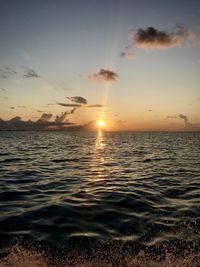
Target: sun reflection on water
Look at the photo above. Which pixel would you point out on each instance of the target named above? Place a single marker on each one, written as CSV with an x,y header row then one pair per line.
x,y
99,158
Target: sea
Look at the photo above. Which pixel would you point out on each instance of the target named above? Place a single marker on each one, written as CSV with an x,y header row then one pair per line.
x,y
99,198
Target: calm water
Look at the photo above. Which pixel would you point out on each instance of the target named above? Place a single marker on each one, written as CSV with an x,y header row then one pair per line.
x,y
140,190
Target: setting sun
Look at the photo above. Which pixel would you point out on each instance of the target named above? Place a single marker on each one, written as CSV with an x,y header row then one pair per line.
x,y
100,123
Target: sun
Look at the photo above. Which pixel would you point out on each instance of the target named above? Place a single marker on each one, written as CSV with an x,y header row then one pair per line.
x,y
100,123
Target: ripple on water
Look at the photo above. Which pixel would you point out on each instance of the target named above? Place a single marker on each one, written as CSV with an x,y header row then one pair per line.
x,y
137,187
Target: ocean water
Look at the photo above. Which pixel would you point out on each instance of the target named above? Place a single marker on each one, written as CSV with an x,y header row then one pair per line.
x,y
99,199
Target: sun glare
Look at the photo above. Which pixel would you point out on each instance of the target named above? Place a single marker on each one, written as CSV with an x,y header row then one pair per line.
x,y
100,123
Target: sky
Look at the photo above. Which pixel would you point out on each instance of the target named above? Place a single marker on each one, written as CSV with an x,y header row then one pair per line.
x,y
134,64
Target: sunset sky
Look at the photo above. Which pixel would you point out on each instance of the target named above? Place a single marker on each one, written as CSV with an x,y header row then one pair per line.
x,y
134,63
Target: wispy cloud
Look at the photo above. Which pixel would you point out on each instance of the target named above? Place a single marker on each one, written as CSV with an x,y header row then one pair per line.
x,y
49,104
104,76
69,105
21,106
97,106
171,117
41,111
127,53
7,72
152,38
30,73
79,102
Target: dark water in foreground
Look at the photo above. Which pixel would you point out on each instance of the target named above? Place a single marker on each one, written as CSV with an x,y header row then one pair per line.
x,y
99,199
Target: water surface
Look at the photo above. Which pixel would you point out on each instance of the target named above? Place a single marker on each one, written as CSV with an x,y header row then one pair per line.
x,y
127,188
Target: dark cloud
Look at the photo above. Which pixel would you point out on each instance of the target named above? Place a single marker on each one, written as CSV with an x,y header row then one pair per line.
x,y
152,38
45,117
30,73
149,110
16,119
74,110
62,117
104,76
78,99
79,102
69,105
3,90
17,124
12,107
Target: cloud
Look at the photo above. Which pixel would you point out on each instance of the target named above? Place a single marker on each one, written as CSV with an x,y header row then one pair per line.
x,y
7,72
126,53
41,111
12,107
171,117
49,104
78,99
104,76
72,111
184,117
45,117
79,102
3,90
30,73
16,119
69,105
152,38
21,106
62,117
18,124
97,106
189,125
